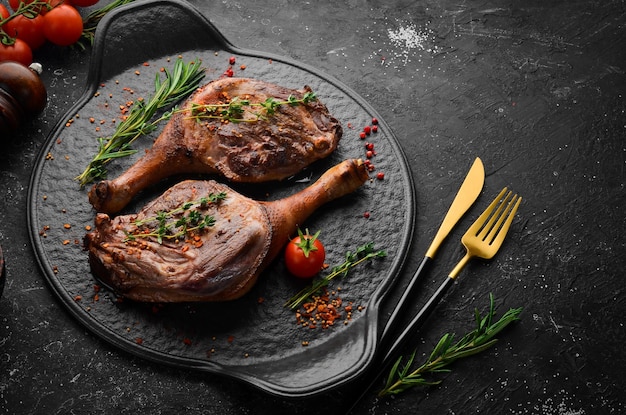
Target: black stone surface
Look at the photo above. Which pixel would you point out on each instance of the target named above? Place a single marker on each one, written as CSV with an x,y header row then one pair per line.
x,y
536,89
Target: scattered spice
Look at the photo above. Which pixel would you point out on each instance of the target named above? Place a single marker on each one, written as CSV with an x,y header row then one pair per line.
x,y
323,310
369,146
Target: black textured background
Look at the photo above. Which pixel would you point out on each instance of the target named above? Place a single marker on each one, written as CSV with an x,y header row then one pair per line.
x,y
536,89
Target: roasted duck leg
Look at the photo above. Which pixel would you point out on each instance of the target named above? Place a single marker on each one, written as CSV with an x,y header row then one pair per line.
x,y
161,255
244,129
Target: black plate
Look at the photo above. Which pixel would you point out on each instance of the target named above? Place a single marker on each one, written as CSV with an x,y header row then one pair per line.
x,y
253,339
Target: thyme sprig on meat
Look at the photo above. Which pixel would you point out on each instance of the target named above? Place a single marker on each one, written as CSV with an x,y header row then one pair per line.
x,y
179,83
363,253
234,110
178,222
403,377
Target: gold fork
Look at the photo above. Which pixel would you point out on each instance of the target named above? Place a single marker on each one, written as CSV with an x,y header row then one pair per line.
x,y
483,239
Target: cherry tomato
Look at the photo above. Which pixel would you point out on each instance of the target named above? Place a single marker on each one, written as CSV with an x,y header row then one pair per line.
x,y
84,3
29,30
4,12
63,25
304,255
17,52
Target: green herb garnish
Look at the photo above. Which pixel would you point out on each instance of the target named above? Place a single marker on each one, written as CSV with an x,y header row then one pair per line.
x,y
179,83
91,22
446,352
177,222
234,110
362,254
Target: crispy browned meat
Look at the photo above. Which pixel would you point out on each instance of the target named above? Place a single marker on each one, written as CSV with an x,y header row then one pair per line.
x,y
272,147
219,263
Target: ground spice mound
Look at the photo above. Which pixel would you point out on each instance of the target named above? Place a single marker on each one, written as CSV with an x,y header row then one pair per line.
x,y
324,309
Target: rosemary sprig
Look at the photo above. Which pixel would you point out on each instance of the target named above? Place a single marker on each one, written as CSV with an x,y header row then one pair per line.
x,y
234,110
170,227
91,22
401,378
177,84
362,254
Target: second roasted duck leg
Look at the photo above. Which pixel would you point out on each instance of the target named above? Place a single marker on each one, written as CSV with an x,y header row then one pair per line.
x,y
145,256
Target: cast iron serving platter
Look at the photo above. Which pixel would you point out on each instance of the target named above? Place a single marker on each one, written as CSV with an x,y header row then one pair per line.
x,y
253,339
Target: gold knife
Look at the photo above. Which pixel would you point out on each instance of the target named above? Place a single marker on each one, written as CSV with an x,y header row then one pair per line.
x,y
464,199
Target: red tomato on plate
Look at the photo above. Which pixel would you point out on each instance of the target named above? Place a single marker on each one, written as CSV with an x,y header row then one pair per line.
x,y
304,255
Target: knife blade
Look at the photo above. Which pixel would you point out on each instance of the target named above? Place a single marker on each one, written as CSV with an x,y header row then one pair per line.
x,y
464,199
466,196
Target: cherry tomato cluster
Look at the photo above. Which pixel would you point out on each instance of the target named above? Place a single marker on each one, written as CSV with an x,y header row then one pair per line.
x,y
28,24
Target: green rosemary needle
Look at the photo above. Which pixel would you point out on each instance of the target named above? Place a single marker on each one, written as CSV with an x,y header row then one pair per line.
x,y
402,377
179,83
362,254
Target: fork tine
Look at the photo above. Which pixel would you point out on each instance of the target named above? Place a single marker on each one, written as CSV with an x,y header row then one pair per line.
x,y
482,219
509,214
494,222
